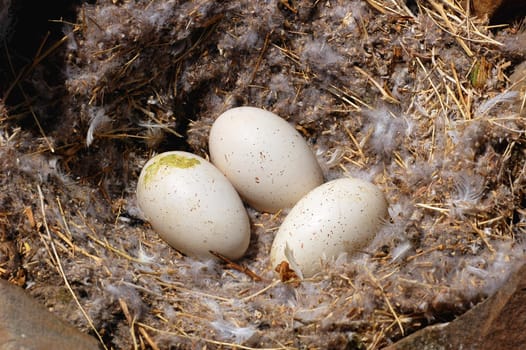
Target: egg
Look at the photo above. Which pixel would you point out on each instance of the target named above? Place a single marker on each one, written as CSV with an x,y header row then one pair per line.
x,y
192,206
339,216
264,157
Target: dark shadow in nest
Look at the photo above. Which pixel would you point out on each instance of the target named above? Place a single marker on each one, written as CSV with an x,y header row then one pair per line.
x,y
509,12
32,61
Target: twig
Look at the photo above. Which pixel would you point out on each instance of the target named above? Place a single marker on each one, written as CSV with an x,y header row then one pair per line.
x,y
452,30
236,266
67,239
131,321
270,286
38,58
432,207
387,96
424,252
428,76
482,236
149,340
467,107
391,309
107,245
260,57
347,97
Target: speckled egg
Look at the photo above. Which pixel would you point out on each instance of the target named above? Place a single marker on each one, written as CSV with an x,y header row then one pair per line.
x,y
264,157
339,216
192,206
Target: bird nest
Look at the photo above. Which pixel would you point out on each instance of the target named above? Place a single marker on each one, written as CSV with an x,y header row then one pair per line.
x,y
421,99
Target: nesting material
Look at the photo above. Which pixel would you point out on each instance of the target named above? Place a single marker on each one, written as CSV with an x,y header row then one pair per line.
x,y
415,99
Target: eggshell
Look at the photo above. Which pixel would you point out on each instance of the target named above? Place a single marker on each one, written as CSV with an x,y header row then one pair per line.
x,y
339,216
264,157
192,206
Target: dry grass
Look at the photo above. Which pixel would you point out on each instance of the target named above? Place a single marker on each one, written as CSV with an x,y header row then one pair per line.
x,y
430,117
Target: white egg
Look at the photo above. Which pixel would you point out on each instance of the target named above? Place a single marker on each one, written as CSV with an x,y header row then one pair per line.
x,y
339,216
264,157
192,206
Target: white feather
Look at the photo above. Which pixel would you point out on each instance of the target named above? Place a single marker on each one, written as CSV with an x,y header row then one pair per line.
x,y
231,331
289,254
505,97
98,119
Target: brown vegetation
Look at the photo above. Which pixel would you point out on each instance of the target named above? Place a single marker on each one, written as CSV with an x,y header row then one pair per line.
x,y
416,97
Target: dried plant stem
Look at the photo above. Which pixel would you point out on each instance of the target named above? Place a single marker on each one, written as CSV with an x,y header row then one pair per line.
x,y
209,341
148,339
56,257
387,96
236,266
391,309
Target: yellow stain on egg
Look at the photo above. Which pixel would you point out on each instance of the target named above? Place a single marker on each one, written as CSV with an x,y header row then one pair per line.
x,y
171,160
